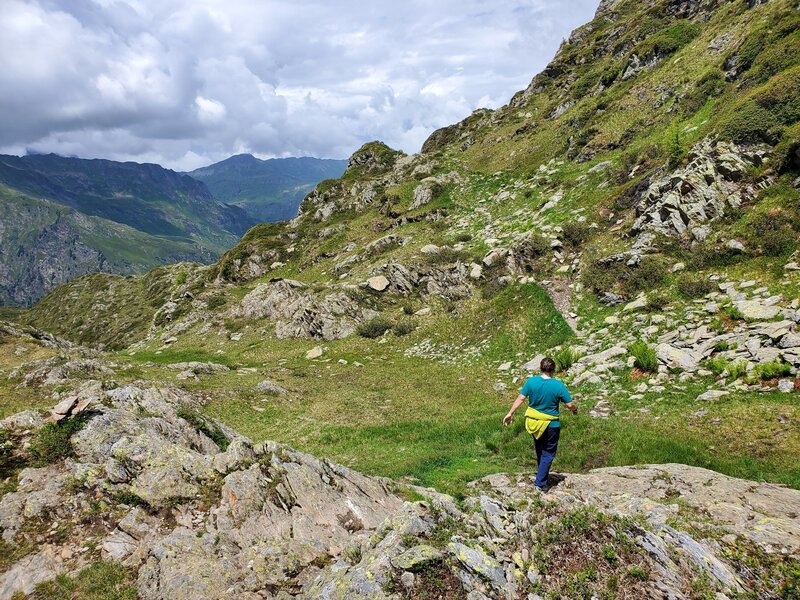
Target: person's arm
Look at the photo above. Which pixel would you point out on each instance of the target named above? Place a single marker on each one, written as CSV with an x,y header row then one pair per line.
x,y
510,416
569,402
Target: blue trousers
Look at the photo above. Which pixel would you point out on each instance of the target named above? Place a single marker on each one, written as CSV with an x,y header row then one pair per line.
x,y
546,447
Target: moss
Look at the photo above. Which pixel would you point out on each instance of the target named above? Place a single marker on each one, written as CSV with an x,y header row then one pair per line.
x,y
204,426
53,442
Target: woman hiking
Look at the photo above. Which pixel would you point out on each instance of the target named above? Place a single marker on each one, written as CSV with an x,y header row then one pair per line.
x,y
544,394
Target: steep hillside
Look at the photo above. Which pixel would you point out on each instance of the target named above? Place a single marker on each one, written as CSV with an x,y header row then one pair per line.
x,y
634,212
46,244
120,218
268,190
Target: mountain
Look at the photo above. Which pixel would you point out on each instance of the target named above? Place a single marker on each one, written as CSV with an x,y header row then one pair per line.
x,y
633,213
269,190
66,216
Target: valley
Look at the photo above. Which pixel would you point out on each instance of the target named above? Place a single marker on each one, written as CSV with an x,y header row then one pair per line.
x,y
317,413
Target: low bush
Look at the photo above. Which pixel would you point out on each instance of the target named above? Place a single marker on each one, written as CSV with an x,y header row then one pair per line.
x,y
694,286
717,365
657,301
404,327
737,369
446,255
204,426
751,123
575,233
770,370
644,355
374,328
54,441
565,357
772,233
616,276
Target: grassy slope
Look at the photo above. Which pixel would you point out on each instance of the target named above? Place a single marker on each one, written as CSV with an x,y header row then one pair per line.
x,y
405,415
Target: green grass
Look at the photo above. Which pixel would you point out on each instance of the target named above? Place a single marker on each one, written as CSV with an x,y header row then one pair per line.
x,y
98,581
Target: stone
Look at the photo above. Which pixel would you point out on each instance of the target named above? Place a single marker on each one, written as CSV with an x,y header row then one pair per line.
x,y
31,570
611,320
790,340
677,357
378,283
475,271
639,303
786,386
678,267
417,558
407,580
753,310
506,366
712,395
271,388
298,312
735,245
478,562
118,546
429,249
315,352
422,312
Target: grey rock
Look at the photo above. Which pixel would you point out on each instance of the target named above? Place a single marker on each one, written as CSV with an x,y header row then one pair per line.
x,y
479,563
417,558
271,388
28,572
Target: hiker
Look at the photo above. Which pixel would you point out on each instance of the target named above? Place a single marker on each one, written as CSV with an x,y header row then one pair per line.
x,y
544,394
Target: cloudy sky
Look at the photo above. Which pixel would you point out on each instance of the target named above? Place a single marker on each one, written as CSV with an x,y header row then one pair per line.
x,y
188,82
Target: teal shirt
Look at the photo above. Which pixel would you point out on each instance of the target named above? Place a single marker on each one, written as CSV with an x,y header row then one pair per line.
x,y
545,395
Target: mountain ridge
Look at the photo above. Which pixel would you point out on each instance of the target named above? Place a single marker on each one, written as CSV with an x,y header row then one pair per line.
x,y
269,189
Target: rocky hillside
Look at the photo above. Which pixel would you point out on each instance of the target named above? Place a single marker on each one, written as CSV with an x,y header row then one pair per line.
x,y
634,212
131,490
67,216
268,190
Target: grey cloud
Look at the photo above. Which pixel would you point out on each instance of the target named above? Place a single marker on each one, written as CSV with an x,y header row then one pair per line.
x,y
187,82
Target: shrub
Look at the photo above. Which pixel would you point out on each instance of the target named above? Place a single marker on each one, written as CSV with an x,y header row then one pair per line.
x,y
408,309
446,255
374,328
737,369
717,365
772,233
770,370
751,123
616,275
656,301
645,356
575,233
204,426
710,85
463,237
54,441
668,41
404,327
694,286
565,357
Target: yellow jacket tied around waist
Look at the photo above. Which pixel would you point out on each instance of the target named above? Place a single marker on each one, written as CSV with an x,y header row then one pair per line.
x,y
537,422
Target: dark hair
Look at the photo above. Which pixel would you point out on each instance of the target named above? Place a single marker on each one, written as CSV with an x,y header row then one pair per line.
x,y
548,365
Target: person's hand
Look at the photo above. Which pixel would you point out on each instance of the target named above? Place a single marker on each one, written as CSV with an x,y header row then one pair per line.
x,y
574,409
507,419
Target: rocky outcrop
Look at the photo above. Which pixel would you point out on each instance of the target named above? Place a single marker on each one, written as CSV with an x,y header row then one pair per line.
x,y
261,521
702,191
296,311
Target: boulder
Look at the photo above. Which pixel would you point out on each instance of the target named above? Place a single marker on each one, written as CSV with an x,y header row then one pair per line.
x,y
379,283
677,357
754,310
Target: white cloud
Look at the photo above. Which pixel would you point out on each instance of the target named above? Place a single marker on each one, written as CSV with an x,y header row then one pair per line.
x,y
188,82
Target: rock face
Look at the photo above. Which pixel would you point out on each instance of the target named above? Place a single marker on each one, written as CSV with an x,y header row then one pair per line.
x,y
699,192
297,312
265,521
